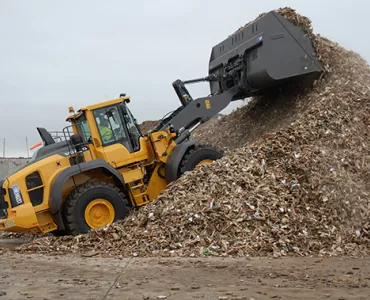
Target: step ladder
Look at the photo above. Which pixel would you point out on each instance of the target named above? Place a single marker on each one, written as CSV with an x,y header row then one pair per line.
x,y
139,192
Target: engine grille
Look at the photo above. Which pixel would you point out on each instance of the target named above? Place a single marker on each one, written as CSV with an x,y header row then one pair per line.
x,y
35,188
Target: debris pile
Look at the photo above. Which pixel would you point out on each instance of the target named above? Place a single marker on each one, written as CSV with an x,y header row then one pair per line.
x,y
148,125
303,189
12,235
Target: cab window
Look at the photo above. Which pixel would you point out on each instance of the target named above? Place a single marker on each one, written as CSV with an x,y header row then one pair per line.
x,y
83,127
110,126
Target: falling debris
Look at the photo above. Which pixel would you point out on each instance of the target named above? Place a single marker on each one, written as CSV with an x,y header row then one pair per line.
x,y
295,180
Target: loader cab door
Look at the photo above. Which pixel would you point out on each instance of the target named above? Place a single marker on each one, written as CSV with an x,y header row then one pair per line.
x,y
109,122
116,135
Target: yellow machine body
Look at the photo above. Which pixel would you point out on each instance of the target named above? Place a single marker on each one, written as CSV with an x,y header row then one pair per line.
x,y
34,213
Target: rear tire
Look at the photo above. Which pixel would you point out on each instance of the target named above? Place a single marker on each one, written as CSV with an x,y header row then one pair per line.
x,y
198,154
94,203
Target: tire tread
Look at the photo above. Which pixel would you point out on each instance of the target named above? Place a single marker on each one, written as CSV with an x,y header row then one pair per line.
x,y
71,201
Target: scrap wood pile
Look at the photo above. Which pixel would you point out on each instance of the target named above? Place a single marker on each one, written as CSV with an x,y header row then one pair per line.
x,y
303,189
148,125
12,235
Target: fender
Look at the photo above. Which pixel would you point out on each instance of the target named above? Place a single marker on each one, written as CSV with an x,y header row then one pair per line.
x,y
174,160
55,199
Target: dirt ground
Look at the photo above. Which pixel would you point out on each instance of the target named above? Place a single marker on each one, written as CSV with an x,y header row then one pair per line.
x,y
73,277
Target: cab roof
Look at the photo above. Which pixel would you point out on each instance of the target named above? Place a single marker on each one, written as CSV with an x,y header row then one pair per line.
x,y
98,105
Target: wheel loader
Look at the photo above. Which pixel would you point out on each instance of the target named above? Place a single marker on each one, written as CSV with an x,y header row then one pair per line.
x,y
106,166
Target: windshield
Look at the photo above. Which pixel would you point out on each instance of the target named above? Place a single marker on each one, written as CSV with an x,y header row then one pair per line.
x,y
83,127
110,125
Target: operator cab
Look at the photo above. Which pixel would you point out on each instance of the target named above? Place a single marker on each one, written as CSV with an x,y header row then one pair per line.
x,y
112,120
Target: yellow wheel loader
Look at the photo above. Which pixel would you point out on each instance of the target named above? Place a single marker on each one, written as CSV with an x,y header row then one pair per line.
x,y
106,166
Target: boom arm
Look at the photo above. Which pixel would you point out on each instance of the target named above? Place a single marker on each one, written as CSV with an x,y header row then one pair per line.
x,y
192,113
183,93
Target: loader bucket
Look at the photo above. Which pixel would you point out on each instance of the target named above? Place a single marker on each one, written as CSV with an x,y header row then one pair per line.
x,y
268,52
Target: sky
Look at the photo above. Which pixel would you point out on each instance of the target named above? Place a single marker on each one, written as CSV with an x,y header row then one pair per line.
x,y
54,54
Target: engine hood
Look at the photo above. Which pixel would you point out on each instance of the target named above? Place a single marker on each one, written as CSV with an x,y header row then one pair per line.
x,y
46,151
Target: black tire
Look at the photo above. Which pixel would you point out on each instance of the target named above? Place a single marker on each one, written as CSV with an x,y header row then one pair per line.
x,y
76,203
196,154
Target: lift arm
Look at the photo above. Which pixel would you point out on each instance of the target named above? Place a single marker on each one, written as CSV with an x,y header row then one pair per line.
x,y
183,93
194,112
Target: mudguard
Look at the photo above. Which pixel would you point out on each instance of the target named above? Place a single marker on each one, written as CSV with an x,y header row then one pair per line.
x,y
55,199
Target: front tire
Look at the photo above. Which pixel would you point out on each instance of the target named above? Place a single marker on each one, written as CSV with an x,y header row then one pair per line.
x,y
197,155
94,205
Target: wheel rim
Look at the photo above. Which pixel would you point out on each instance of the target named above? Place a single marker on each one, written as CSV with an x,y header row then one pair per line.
x,y
205,161
99,213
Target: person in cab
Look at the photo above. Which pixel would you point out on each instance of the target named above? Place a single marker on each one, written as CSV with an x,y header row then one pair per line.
x,y
106,132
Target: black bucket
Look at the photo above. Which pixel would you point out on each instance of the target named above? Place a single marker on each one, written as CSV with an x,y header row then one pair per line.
x,y
266,53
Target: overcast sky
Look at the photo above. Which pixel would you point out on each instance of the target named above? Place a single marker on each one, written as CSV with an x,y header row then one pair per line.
x,y
55,54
